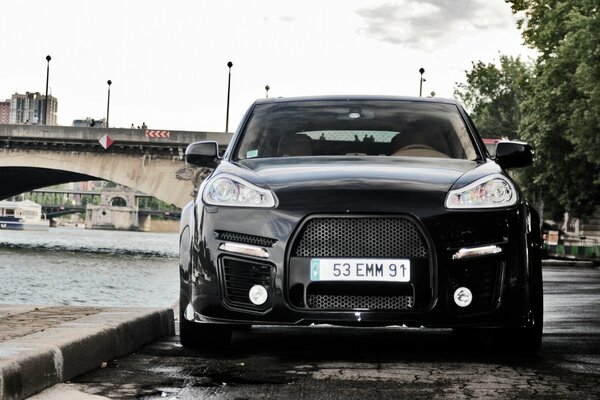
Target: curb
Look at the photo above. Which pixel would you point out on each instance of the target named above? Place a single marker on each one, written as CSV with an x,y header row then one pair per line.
x,y
568,263
31,363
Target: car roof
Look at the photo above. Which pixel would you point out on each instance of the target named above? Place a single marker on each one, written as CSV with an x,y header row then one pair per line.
x,y
357,97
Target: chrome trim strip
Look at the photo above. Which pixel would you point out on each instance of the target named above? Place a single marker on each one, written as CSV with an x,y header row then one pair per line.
x,y
246,249
469,252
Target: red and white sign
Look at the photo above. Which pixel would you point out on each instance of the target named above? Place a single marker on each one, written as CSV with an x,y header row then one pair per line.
x,y
158,134
106,141
552,238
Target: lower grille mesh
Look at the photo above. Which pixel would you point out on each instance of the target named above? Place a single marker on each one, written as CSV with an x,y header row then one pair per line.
x,y
349,302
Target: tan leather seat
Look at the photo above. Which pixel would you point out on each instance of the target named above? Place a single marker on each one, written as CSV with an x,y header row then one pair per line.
x,y
417,141
294,145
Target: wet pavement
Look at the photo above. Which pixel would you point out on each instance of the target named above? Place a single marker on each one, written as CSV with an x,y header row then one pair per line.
x,y
374,363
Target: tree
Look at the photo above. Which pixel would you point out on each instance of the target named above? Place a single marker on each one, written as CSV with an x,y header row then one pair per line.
x,y
493,94
561,112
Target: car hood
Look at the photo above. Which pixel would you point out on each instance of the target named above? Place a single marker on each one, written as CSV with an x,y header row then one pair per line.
x,y
354,184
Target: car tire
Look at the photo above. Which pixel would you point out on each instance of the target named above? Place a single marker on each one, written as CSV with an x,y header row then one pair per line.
x,y
527,340
203,336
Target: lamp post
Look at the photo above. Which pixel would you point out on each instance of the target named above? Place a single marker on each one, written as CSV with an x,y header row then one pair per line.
x,y
267,90
229,64
109,82
48,58
421,71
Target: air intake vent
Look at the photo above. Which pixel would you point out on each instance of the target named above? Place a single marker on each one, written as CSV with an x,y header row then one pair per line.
x,y
244,238
482,278
240,275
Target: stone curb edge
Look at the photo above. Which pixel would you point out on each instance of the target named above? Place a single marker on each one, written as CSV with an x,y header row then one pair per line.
x,y
567,263
35,362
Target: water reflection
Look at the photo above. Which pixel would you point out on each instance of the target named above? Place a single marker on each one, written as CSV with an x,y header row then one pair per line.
x,y
77,266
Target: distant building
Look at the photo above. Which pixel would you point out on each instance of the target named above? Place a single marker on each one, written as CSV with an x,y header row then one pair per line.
x,y
5,112
29,108
87,186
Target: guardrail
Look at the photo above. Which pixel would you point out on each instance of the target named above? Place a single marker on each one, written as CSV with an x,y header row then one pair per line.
x,y
582,252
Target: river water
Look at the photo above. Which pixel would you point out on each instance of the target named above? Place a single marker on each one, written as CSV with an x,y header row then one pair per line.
x,y
88,267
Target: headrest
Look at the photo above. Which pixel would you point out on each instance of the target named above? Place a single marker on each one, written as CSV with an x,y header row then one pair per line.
x,y
294,145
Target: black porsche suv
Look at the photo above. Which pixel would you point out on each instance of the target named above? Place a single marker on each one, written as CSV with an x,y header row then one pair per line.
x,y
365,211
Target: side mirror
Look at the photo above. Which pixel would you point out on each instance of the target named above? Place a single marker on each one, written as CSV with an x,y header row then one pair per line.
x,y
203,154
513,154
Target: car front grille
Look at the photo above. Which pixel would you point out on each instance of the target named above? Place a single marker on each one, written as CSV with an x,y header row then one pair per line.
x,y
349,302
362,237
240,275
378,237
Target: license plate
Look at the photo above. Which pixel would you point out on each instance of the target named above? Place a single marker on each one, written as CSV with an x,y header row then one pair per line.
x,y
359,269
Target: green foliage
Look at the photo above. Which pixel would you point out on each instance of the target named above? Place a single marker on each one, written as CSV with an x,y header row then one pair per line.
x,y
561,111
554,104
493,95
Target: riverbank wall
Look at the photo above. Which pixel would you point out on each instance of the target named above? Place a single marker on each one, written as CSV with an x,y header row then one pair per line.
x,y
41,346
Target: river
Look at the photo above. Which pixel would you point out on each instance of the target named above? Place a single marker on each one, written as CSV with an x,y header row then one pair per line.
x,y
74,266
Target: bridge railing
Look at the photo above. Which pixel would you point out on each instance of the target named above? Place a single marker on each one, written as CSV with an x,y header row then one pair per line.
x,y
71,134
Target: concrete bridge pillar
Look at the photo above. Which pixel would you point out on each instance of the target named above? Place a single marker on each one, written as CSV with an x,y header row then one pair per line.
x,y
144,223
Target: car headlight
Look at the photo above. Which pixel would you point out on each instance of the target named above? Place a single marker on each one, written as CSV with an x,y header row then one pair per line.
x,y
489,192
229,190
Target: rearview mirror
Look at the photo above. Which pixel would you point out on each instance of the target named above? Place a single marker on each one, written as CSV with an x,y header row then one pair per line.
x,y
203,154
513,154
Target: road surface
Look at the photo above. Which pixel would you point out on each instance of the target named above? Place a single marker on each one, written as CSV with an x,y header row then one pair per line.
x,y
372,363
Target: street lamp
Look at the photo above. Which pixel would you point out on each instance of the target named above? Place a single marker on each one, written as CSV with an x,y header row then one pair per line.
x,y
267,90
229,64
421,71
109,82
48,58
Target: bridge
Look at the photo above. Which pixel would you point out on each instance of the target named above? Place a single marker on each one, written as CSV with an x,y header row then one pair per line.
x,y
37,156
56,210
62,208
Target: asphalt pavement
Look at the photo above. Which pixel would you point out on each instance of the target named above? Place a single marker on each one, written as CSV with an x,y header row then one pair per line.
x,y
369,363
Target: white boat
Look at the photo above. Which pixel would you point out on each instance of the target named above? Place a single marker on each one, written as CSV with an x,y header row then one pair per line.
x,y
22,215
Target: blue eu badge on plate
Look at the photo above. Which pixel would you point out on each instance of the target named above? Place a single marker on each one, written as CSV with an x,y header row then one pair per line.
x,y
314,270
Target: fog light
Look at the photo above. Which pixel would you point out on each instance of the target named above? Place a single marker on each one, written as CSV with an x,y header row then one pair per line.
x,y
258,295
463,297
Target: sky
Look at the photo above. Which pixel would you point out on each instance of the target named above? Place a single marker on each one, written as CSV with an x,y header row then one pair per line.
x,y
167,60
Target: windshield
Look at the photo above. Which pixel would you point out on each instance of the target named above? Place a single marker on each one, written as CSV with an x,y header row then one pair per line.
x,y
356,128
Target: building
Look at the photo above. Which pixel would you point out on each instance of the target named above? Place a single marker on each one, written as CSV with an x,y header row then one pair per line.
x,y
118,210
29,108
5,112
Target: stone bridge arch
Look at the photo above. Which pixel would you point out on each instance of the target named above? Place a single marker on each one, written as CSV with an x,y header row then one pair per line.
x,y
167,179
149,161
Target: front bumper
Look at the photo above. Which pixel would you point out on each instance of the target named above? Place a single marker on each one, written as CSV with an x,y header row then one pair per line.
x,y
498,280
